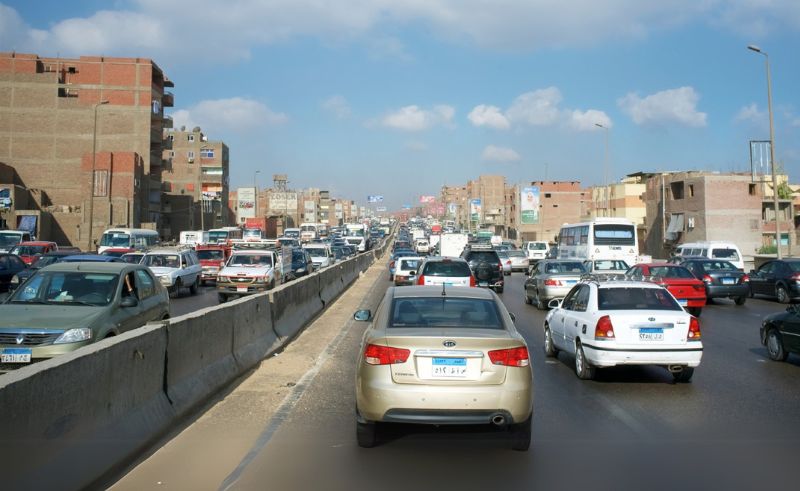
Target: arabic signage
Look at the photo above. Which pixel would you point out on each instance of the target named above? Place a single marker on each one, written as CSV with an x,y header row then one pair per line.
x,y
475,209
246,206
529,205
427,199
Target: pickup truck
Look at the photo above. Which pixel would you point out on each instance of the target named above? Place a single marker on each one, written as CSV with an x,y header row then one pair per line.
x,y
212,259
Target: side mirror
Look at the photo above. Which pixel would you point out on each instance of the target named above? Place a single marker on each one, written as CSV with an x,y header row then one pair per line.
x,y
555,303
362,315
128,302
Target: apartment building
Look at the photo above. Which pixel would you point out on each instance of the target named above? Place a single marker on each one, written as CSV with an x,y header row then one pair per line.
x,y
491,191
62,117
559,202
195,181
620,200
456,204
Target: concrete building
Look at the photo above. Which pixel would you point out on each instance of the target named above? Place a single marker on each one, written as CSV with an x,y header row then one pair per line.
x,y
701,206
50,111
456,203
620,200
195,182
491,190
560,202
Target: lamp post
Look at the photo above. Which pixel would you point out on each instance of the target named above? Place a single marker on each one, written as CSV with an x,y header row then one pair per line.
x,y
94,162
605,169
775,196
255,186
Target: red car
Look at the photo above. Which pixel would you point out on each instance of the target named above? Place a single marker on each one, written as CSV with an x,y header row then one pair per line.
x,y
30,251
117,251
681,283
212,259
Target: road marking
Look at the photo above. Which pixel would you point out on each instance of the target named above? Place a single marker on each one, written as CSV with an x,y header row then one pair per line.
x,y
624,416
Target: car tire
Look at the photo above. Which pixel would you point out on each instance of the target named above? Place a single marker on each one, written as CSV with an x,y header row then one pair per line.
x,y
583,369
499,289
539,304
193,287
222,298
695,311
740,300
782,294
521,435
550,349
775,348
366,434
527,298
684,376
178,286
750,292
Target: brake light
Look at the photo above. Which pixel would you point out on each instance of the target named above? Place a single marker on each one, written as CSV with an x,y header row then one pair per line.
x,y
508,262
699,287
472,281
421,280
604,328
511,357
744,279
707,279
500,266
385,355
551,282
694,329
796,276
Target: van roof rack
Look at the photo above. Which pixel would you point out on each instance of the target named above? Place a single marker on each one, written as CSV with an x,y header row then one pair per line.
x,y
601,277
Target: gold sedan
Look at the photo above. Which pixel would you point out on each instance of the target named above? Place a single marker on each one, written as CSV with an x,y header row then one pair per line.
x,y
443,356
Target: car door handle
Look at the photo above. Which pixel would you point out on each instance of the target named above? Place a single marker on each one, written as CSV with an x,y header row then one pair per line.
x,y
576,323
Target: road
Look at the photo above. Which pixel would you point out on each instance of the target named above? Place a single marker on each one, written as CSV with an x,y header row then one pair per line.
x,y
737,425
184,303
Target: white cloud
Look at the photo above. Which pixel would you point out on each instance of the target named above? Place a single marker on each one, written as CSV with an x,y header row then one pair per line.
x,y
499,154
338,106
537,108
752,114
588,120
668,106
758,18
417,146
388,48
415,118
491,116
223,116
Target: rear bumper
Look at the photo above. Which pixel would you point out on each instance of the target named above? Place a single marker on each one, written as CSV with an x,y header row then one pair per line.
x,y
723,291
551,292
601,356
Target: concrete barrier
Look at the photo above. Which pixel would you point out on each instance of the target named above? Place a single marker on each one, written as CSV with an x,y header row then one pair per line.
x,y
331,283
68,421
253,336
294,305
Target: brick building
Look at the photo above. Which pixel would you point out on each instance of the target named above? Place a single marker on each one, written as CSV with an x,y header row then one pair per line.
x,y
559,202
620,200
50,111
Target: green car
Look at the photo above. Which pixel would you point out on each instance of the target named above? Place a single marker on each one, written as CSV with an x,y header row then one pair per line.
x,y
68,305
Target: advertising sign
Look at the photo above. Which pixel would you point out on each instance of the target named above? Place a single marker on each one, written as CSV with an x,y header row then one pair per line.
x,y
282,202
529,205
246,206
406,207
475,209
375,198
427,199
452,209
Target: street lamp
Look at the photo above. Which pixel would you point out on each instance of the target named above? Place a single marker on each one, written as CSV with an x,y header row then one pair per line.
x,y
775,196
605,169
94,162
255,186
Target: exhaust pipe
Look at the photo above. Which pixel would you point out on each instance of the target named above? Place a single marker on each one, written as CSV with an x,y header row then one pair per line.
x,y
498,420
675,368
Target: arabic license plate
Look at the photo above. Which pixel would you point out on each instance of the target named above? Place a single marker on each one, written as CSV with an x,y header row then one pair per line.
x,y
483,283
15,355
728,281
683,302
651,334
242,289
571,282
449,367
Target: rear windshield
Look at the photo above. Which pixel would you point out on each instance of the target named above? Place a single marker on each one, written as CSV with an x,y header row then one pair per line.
x,y
516,254
445,312
614,235
793,265
409,264
635,298
446,268
210,255
670,272
729,254
537,247
611,265
564,268
483,256
710,266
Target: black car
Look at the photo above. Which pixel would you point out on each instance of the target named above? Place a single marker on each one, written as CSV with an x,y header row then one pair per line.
x,y
10,266
778,278
44,260
780,333
721,278
485,265
301,264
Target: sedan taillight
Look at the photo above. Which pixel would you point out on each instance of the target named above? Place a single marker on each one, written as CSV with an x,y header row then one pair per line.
x,y
385,355
744,279
694,329
510,357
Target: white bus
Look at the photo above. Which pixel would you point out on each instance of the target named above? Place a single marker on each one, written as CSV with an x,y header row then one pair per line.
x,y
128,238
224,234
602,238
308,231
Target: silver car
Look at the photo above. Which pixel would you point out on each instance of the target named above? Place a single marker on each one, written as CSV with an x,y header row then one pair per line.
x,y
551,278
519,261
505,260
442,356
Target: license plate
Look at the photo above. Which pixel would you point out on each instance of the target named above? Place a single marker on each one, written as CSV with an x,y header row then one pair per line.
x,y
483,283
449,367
571,282
728,281
241,289
683,301
651,334
15,355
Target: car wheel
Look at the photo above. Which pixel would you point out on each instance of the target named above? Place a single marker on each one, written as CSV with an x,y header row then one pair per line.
x,y
740,300
527,299
782,294
539,304
583,369
178,286
366,434
499,289
550,349
695,311
775,346
521,435
193,287
222,298
684,376
750,292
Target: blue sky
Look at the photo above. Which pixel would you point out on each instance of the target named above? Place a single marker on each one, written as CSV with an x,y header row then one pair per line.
x,y
397,98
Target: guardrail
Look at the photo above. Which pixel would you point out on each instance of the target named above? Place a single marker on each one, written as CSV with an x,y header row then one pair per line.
x,y
74,421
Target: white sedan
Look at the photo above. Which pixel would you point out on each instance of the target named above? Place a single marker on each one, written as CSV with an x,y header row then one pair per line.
x,y
623,323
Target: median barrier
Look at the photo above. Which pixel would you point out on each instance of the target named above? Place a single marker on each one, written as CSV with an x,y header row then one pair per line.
x,y
253,336
294,305
331,283
67,422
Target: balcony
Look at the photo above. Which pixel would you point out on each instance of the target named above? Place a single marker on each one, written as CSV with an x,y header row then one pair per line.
x,y
168,100
166,122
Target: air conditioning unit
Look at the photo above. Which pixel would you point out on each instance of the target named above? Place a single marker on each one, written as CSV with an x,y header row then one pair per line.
x,y
690,223
191,161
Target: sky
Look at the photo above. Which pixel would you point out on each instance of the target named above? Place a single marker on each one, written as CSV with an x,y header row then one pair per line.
x,y
397,98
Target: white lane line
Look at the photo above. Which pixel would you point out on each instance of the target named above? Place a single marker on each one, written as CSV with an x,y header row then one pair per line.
x,y
624,416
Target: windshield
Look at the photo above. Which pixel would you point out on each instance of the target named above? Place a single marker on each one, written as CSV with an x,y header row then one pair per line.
x,y
251,260
28,250
316,252
131,258
68,288
537,246
611,265
793,265
729,254
162,261
353,241
7,240
292,234
711,266
516,253
43,261
445,312
218,236
614,235
670,272
564,268
447,268
410,264
115,239
635,299
210,255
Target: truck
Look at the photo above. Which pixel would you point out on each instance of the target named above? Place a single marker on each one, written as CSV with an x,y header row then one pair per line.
x,y
452,245
308,232
212,258
193,237
259,223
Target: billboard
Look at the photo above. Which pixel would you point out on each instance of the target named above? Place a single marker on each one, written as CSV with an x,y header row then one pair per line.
x,y
283,202
406,207
475,209
377,198
246,203
427,199
380,209
452,209
529,205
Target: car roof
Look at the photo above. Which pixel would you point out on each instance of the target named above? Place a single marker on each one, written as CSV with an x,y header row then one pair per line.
x,y
433,259
60,254
627,284
93,267
436,292
658,265
165,250
90,258
36,242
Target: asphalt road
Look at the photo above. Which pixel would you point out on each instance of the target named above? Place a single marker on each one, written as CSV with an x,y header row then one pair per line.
x,y
184,302
737,425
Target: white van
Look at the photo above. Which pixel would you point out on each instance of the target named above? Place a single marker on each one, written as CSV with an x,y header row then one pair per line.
x,y
194,237
128,238
727,251
536,249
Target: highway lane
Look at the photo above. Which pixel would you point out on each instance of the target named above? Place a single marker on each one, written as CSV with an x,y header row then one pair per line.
x,y
184,302
736,425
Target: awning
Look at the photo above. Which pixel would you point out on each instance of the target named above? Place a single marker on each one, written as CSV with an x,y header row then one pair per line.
x,y
675,226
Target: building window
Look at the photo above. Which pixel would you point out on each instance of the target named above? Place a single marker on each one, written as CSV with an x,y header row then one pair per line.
x,y
172,154
676,188
156,107
546,195
751,188
190,138
691,190
101,183
171,137
190,155
206,153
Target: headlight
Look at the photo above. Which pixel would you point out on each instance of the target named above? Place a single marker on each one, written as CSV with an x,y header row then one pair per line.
x,y
74,335
15,280
300,270
222,279
165,280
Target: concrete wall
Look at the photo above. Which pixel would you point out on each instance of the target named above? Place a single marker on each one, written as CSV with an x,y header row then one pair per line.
x,y
76,420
